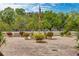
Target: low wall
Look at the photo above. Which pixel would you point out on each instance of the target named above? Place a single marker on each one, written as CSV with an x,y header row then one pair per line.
x,y
56,33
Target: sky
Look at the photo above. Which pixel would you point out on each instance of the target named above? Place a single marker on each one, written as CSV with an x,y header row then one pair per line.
x,y
34,7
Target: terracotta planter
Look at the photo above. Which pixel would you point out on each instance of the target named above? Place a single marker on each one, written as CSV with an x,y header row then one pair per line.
x,y
9,34
21,33
49,37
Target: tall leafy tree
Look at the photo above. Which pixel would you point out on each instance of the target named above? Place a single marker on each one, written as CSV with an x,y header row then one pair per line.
x,y
20,23
8,15
49,16
20,11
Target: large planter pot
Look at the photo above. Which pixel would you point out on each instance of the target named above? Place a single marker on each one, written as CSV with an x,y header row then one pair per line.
x,y
21,33
27,38
9,34
49,37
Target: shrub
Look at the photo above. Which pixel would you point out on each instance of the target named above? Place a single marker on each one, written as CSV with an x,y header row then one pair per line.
x,y
68,33
9,34
26,34
21,33
62,33
49,34
2,40
65,33
4,26
38,36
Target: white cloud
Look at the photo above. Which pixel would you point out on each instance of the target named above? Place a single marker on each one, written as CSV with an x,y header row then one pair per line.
x,y
29,7
2,6
54,4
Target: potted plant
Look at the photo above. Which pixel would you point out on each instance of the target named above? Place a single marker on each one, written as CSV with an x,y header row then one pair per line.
x,y
49,35
21,33
2,41
66,33
39,37
9,34
62,33
26,35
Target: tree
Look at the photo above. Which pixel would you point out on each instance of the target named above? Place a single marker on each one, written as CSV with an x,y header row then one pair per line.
x,y
8,15
49,16
20,11
77,27
70,22
60,20
20,23
4,26
32,23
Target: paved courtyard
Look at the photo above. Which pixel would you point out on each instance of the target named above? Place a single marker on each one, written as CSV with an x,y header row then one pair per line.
x,y
18,46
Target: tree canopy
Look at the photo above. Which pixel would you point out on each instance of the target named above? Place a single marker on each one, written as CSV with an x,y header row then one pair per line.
x,y
18,19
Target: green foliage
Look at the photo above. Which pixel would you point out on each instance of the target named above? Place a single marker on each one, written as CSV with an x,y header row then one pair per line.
x,y
2,40
8,15
65,33
68,33
32,24
62,33
26,34
4,26
19,20
49,34
20,23
21,33
69,23
45,24
48,18
20,11
39,36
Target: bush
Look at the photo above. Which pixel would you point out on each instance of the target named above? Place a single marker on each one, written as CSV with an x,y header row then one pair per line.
x,y
4,26
21,33
38,36
65,33
68,33
49,34
26,34
62,33
2,40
